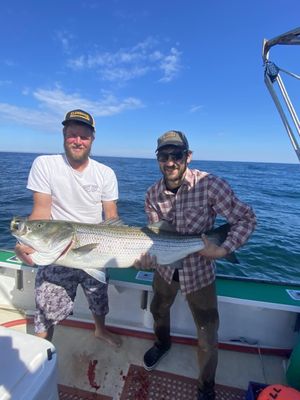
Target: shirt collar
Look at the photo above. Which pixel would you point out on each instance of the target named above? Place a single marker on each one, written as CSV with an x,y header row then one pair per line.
x,y
188,178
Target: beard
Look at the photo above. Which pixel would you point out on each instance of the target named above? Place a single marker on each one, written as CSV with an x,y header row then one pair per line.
x,y
77,157
174,175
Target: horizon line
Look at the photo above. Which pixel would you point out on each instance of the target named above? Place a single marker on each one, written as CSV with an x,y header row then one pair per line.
x,y
153,158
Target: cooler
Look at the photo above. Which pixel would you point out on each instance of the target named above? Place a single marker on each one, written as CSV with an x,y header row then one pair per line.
x,y
27,367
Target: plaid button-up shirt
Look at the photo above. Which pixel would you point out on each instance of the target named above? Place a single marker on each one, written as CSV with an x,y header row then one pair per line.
x,y
193,210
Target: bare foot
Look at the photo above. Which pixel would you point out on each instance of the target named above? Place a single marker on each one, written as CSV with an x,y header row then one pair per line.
x,y
110,338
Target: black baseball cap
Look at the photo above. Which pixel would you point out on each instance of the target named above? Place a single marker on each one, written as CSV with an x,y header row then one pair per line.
x,y
173,138
80,116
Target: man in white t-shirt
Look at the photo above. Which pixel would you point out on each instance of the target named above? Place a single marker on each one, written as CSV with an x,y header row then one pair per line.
x,y
72,187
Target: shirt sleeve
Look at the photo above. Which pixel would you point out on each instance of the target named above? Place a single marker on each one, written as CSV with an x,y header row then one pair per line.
x,y
239,215
110,186
38,179
150,209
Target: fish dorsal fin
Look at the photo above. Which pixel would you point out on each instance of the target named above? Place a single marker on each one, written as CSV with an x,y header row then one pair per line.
x,y
113,222
162,226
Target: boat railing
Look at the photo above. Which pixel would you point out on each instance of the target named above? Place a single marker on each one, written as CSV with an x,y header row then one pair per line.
x,y
272,76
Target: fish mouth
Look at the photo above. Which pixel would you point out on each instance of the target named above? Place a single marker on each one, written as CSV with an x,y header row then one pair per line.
x,y
17,225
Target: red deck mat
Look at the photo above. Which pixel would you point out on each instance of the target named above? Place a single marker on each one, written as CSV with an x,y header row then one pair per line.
x,y
158,385
71,393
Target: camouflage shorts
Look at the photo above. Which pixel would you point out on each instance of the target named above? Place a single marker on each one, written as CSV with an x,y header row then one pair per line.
x,y
55,291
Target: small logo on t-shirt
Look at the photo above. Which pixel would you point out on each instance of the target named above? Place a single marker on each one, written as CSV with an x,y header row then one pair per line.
x,y
91,188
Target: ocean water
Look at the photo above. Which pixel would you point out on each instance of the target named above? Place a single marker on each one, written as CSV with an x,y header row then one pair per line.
x,y
273,190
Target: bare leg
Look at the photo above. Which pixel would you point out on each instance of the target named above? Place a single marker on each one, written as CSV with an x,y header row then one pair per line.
x,y
47,334
101,332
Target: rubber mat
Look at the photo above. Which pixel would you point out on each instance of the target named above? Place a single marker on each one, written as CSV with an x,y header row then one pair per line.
x,y
71,393
157,385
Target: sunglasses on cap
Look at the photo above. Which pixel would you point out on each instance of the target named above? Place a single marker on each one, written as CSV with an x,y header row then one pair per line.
x,y
163,156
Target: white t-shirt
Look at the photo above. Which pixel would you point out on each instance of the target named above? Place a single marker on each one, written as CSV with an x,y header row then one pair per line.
x,y
76,196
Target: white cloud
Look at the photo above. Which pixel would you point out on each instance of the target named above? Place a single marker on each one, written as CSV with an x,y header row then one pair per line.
x,y
5,83
53,104
26,116
65,39
108,105
195,108
170,65
26,91
130,63
123,74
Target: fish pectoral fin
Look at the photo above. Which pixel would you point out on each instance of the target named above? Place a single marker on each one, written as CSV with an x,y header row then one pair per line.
x,y
87,248
95,273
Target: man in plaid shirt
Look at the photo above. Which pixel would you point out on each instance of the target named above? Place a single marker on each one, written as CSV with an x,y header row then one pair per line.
x,y
190,200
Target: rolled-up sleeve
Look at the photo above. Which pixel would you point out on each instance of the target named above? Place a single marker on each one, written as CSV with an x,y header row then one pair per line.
x,y
151,212
239,215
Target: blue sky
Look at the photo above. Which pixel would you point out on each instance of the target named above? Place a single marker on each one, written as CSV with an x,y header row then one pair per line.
x,y
141,68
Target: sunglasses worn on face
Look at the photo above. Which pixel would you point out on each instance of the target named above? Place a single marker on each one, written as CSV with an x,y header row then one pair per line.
x,y
163,156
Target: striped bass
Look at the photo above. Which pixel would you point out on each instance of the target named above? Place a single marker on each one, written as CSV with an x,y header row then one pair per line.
x,y
94,247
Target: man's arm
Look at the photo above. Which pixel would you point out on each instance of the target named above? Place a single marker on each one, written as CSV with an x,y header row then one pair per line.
x,y
211,250
239,215
41,210
41,206
110,209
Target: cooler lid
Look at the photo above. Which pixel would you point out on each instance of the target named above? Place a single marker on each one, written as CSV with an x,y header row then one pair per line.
x,y
24,361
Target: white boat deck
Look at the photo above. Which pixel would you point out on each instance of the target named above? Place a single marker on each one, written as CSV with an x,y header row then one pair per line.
x,y
77,349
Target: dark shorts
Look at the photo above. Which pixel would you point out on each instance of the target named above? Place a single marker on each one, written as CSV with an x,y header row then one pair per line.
x,y
55,291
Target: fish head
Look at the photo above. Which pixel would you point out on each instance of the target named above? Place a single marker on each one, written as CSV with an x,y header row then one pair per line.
x,y
44,236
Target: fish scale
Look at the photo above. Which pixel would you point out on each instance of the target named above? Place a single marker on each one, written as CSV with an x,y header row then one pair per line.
x,y
135,240
95,247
